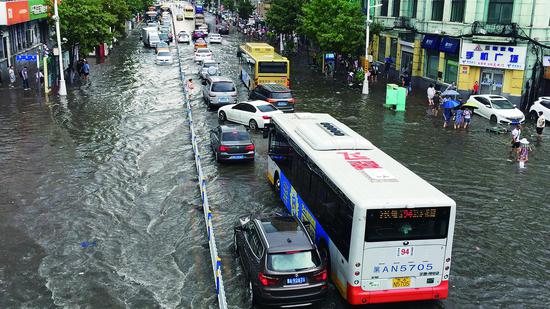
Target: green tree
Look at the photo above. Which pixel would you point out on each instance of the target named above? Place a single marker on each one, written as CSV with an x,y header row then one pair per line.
x,y
84,23
138,6
244,8
283,15
336,25
121,11
227,4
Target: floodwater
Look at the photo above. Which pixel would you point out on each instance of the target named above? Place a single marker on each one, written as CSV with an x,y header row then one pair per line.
x,y
99,205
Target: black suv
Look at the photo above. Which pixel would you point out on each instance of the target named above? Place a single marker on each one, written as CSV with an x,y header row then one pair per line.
x,y
280,261
276,94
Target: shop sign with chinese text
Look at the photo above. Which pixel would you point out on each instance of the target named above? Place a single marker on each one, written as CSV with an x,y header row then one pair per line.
x,y
14,12
38,9
493,56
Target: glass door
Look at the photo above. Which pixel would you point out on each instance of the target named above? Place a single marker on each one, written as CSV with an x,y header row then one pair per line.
x,y
491,82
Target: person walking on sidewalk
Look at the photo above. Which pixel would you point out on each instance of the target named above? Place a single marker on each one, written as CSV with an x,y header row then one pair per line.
x,y
86,69
11,74
25,78
431,93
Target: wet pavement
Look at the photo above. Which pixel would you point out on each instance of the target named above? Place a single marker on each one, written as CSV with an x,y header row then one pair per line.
x,y
98,194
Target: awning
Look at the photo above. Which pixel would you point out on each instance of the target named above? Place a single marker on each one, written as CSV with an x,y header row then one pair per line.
x,y
430,42
449,45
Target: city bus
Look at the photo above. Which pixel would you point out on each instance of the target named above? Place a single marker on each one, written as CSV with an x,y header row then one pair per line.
x,y
385,233
260,64
189,12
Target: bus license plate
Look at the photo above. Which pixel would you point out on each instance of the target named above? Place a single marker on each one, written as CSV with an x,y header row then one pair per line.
x,y
298,280
401,282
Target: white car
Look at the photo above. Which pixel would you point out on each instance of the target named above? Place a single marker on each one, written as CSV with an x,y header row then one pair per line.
x,y
184,38
497,109
204,28
202,54
164,57
215,38
255,114
540,105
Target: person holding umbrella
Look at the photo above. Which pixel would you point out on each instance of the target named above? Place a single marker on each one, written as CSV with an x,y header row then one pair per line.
x,y
448,106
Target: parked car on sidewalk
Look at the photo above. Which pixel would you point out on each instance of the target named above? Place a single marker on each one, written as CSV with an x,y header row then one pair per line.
x,y
219,91
215,38
231,142
540,105
202,54
276,94
255,114
209,68
497,109
280,260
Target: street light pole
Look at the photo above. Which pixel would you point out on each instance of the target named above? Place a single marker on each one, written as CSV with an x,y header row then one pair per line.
x,y
62,86
366,81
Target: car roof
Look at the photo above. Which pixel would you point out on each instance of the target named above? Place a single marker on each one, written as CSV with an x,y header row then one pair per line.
x,y
256,102
232,127
274,87
284,233
220,79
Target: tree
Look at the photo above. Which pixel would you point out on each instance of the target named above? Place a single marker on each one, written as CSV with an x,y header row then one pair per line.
x,y
138,6
244,8
283,15
84,23
227,4
336,25
121,11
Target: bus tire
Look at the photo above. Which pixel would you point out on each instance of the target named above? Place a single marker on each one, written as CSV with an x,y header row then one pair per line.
x,y
277,183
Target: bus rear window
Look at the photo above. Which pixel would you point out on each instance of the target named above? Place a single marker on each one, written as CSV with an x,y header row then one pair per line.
x,y
272,67
407,224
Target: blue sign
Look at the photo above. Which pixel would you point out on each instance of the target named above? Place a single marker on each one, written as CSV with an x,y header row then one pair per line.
x,y
25,58
329,56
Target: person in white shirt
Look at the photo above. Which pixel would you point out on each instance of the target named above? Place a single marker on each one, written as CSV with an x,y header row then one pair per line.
x,y
516,135
541,122
431,93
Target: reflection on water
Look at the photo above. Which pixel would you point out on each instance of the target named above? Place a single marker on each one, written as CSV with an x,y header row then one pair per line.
x,y
112,163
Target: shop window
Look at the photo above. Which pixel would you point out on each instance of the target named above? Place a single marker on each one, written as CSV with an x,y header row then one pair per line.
x,y
457,10
451,69
500,11
437,10
384,8
432,64
413,6
381,48
396,7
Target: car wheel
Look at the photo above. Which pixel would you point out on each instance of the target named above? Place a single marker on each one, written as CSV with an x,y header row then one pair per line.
x,y
253,125
216,156
493,119
222,117
277,184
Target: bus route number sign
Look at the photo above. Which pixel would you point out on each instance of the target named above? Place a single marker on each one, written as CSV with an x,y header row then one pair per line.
x,y
405,251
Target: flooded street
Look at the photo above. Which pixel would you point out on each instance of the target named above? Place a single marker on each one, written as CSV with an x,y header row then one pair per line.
x,y
99,205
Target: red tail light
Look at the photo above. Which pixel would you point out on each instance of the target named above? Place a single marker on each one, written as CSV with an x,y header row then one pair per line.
x,y
271,100
266,117
292,100
249,148
224,148
288,83
321,276
265,280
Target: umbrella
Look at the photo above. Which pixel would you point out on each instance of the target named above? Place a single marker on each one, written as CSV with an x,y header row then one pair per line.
x,y
450,104
450,92
469,105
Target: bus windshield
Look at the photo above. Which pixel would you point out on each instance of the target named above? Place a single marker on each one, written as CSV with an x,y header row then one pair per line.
x,y
407,224
272,67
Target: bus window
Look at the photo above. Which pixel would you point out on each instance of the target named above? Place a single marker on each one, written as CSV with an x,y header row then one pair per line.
x,y
272,67
407,224
280,152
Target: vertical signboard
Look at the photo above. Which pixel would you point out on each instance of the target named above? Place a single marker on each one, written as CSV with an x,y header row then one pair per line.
x,y
38,9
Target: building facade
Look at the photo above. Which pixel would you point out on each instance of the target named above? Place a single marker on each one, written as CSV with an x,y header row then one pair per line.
x,y
23,31
501,44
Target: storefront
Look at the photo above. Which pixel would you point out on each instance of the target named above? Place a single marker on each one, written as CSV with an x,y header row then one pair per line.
x,y
450,47
498,69
430,44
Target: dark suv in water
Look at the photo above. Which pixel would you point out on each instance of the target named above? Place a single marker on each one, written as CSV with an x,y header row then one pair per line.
x,y
276,94
280,261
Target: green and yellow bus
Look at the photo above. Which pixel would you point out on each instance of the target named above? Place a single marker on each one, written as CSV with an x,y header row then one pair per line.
x,y
260,64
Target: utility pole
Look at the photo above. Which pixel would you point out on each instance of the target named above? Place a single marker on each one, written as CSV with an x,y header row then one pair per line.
x,y
62,86
366,81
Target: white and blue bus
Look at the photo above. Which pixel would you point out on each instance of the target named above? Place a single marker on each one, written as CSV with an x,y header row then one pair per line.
x,y
386,233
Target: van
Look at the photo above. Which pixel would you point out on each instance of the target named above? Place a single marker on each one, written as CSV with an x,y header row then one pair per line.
x,y
153,39
219,91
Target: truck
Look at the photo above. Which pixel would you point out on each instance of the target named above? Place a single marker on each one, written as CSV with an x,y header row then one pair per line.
x,y
150,36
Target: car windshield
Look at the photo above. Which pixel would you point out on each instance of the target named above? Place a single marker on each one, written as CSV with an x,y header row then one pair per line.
x,y
281,95
207,65
164,54
502,104
266,108
223,87
235,136
293,261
